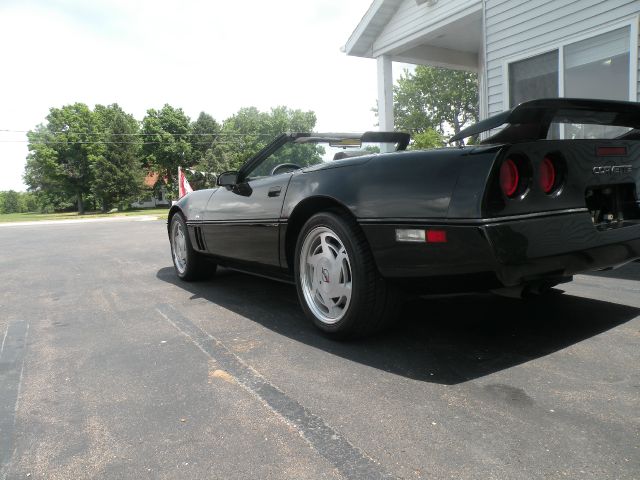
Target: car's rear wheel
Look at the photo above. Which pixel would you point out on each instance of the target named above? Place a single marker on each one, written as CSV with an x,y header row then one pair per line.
x,y
338,284
189,264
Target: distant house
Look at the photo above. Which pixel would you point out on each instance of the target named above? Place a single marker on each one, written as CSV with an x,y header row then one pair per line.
x,y
521,49
155,197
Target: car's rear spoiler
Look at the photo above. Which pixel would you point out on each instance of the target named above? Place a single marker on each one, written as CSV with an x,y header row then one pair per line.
x,y
531,120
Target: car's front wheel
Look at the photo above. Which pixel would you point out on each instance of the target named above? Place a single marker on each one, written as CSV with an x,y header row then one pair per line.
x,y
189,264
338,284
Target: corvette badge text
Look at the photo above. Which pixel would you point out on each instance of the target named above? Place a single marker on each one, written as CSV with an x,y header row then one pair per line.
x,y
612,169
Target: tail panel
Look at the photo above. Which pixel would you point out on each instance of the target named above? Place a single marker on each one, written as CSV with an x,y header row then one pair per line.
x,y
599,176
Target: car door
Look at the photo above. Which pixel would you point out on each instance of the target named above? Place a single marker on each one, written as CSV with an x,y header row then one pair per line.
x,y
242,221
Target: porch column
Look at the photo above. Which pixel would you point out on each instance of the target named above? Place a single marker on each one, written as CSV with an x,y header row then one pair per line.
x,y
385,97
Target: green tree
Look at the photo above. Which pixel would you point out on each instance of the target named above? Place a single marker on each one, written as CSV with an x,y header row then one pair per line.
x,y
18,202
28,202
249,130
117,172
435,98
429,138
50,201
167,143
204,132
62,152
10,202
243,135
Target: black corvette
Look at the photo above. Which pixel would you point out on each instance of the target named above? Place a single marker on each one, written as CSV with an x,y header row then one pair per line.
x,y
551,194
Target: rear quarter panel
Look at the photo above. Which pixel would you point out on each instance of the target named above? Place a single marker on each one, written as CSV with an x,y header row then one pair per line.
x,y
413,189
443,183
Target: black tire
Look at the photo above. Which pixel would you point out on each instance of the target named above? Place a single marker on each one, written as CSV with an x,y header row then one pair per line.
x,y
373,303
195,265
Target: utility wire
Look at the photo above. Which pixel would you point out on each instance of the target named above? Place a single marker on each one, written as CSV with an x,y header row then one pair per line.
x,y
71,132
98,142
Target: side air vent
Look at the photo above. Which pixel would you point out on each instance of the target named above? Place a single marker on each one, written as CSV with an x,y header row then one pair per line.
x,y
199,239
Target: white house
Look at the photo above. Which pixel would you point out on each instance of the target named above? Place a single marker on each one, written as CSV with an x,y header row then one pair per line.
x,y
521,49
153,199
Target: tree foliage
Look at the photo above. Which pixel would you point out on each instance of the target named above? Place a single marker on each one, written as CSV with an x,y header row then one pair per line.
x,y
249,130
435,98
84,156
429,138
117,172
100,157
167,141
9,202
18,202
62,151
204,132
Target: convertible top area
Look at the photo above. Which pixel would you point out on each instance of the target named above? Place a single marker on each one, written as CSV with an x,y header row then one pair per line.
x,y
401,140
531,121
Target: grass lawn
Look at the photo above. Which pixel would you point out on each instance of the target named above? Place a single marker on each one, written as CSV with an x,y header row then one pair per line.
x,y
33,217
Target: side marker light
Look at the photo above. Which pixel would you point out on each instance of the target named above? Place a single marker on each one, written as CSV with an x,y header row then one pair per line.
x,y
436,236
409,235
420,236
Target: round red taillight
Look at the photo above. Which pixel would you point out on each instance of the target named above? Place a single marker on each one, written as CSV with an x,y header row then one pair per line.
x,y
547,175
509,177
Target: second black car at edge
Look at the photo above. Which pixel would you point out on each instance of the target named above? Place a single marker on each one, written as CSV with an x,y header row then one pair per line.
x,y
522,211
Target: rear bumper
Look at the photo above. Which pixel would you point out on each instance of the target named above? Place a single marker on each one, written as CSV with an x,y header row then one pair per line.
x,y
510,252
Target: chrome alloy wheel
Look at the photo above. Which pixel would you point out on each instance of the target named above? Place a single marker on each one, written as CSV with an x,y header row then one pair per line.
x,y
179,243
325,275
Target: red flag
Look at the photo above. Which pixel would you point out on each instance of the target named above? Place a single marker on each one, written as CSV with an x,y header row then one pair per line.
x,y
183,184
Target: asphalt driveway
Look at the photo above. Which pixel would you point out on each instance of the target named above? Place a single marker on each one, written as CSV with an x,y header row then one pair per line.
x,y
112,368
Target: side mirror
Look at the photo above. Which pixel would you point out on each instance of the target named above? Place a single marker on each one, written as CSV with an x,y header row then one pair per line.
x,y
227,178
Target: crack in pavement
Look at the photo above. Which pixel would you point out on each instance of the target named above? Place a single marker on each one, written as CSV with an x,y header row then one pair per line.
x,y
351,462
12,351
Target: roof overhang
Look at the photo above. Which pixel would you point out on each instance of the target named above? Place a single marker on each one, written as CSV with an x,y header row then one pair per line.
x,y
451,40
373,22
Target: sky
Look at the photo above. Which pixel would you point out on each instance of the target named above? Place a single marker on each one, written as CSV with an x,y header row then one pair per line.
x,y
213,56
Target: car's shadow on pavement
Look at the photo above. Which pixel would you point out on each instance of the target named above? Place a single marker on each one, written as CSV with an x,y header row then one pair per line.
x,y
444,340
630,271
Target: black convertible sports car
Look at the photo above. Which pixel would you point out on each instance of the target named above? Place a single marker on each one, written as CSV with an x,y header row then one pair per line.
x,y
551,194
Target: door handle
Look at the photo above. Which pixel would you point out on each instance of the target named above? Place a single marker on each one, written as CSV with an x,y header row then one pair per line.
x,y
275,191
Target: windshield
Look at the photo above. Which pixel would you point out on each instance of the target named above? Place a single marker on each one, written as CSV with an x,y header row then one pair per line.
x,y
307,154
296,154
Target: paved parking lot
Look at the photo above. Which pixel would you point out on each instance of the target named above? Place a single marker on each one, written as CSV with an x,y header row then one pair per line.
x,y
111,368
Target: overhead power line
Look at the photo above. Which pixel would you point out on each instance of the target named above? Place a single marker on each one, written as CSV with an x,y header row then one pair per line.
x,y
100,142
71,132
212,138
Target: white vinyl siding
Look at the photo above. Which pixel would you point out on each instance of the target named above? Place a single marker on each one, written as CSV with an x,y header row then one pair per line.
x,y
638,58
518,29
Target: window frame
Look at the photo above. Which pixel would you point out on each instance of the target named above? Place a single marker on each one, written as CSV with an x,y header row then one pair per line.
x,y
631,22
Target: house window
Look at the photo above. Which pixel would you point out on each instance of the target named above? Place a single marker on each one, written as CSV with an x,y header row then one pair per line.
x,y
534,77
598,67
